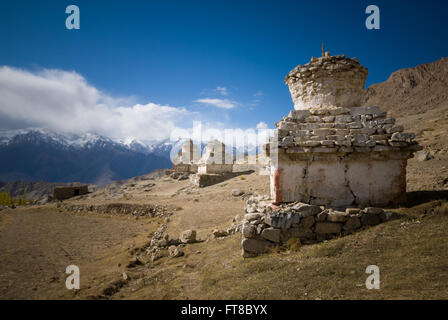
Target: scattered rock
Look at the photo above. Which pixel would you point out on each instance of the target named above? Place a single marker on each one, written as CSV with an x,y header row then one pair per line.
x,y
337,216
300,232
306,210
352,210
249,230
321,217
373,210
237,192
328,227
389,215
188,236
370,219
423,155
134,262
255,245
219,233
352,224
271,234
307,222
175,252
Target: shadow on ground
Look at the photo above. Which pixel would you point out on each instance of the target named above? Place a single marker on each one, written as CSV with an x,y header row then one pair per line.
x,y
418,197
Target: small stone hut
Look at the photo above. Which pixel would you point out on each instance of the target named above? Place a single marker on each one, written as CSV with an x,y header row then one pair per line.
x,y
63,192
214,160
331,150
187,158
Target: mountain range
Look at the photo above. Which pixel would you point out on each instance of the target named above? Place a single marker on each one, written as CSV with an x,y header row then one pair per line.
x,y
39,154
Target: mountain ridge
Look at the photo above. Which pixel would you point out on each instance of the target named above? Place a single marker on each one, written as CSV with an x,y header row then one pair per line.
x,y
38,154
412,90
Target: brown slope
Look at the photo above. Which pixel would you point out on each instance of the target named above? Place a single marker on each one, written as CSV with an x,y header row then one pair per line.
x,y
418,99
412,90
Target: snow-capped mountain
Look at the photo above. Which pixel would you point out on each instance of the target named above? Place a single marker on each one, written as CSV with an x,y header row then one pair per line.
x,y
69,140
40,154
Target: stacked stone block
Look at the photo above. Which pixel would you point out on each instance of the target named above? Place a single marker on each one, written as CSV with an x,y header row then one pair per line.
x,y
266,226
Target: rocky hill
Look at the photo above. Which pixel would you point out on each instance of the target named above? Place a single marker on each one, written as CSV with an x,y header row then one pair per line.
x,y
34,190
412,90
38,154
418,99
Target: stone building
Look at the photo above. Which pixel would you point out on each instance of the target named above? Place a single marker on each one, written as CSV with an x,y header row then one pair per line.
x,y
62,193
187,158
215,160
331,150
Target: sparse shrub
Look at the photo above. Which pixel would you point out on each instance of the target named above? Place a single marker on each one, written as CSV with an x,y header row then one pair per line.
x,y
442,209
6,199
293,244
328,249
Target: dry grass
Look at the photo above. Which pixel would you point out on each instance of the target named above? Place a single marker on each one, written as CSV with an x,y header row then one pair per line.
x,y
412,255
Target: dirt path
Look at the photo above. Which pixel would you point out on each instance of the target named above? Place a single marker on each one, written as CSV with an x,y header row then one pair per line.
x,y
38,244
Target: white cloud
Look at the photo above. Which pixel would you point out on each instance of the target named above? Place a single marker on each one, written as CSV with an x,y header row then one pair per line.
x,y
222,90
219,103
259,93
63,101
262,125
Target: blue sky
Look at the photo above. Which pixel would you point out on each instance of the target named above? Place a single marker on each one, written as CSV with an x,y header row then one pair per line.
x,y
176,53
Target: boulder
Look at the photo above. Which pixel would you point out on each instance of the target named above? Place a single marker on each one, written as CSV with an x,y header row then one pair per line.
x,y
337,216
321,217
175,252
219,233
423,155
307,222
328,227
252,216
271,234
306,210
352,223
300,232
249,230
188,236
255,245
352,210
237,192
373,210
389,215
370,219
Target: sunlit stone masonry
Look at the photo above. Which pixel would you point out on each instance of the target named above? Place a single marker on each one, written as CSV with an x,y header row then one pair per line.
x,y
332,151
187,158
215,160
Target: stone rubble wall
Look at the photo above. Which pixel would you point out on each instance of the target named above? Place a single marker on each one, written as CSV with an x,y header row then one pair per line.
x,y
137,210
213,168
200,180
327,81
266,225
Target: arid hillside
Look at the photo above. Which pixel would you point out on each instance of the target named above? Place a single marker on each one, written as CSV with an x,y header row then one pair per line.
x,y
418,99
412,90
